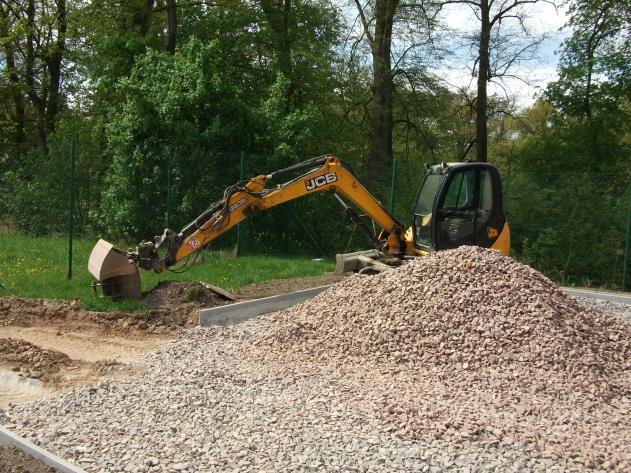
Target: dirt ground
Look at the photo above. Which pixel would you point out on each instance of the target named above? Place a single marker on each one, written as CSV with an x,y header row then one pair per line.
x,y
48,346
16,461
283,286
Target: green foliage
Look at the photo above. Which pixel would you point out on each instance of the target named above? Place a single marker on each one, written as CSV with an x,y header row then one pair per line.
x,y
179,100
592,93
284,85
568,225
595,59
288,132
192,293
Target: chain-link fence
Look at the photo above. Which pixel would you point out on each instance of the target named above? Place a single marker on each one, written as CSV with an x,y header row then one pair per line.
x,y
54,207
572,226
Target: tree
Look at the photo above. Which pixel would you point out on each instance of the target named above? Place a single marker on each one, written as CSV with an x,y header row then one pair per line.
x,y
278,16
594,85
496,54
15,93
34,37
378,19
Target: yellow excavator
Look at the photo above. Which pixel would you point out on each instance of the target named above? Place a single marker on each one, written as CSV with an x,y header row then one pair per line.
x,y
456,204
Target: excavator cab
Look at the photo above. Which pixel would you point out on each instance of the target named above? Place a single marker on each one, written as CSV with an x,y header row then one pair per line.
x,y
460,204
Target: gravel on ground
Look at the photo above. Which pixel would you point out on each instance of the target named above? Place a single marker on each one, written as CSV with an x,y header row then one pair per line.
x,y
206,406
297,391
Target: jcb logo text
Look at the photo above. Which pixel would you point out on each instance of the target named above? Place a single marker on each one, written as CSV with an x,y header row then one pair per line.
x,y
320,181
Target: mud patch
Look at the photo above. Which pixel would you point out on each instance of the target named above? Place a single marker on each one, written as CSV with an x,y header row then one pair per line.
x,y
28,371
176,304
32,361
87,346
284,286
16,461
49,346
55,345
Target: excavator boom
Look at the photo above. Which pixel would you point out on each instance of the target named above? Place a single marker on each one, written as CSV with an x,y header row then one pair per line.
x,y
324,174
457,204
330,175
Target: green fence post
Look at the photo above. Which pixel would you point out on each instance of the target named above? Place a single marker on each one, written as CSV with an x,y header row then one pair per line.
x,y
625,267
240,227
393,186
71,205
169,164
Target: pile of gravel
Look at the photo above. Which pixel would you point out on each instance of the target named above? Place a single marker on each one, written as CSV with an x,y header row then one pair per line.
x,y
461,361
469,344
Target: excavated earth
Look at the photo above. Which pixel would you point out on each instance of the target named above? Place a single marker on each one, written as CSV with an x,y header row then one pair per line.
x,y
464,360
48,346
13,460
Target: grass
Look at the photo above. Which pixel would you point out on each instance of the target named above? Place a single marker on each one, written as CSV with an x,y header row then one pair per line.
x,y
35,267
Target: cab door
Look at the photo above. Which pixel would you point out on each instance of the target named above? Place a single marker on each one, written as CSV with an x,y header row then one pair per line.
x,y
469,207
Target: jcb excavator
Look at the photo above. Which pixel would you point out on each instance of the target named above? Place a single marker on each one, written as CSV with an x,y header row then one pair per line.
x,y
456,204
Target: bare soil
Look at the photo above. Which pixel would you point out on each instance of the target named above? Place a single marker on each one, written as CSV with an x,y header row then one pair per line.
x,y
16,461
284,286
57,344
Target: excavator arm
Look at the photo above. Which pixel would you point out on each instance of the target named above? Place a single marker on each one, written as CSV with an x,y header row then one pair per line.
x,y
325,174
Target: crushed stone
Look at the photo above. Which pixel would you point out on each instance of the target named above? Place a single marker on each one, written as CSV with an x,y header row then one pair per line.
x,y
462,361
469,345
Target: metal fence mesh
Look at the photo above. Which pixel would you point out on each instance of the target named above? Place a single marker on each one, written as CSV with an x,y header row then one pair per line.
x,y
572,226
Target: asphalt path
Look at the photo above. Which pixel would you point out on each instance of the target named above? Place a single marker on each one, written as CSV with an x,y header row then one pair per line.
x,y
619,297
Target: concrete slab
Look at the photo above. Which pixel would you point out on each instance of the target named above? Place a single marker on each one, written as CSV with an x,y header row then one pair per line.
x,y
234,313
9,438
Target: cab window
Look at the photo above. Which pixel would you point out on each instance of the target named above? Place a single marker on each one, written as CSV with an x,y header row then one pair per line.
x,y
461,192
423,209
455,222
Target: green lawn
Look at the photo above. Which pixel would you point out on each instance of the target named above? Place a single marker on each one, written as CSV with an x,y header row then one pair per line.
x,y
36,267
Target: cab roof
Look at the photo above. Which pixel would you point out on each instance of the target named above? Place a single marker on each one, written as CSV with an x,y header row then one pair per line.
x,y
444,168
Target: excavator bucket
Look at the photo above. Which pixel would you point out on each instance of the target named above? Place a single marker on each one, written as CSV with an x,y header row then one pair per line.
x,y
117,276
367,261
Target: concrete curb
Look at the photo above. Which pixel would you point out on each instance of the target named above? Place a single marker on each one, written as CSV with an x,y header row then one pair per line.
x,y
9,438
234,313
621,298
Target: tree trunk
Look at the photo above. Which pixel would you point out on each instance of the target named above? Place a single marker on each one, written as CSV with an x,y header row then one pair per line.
x,y
278,14
483,77
31,89
14,85
54,61
169,39
592,134
18,99
285,42
381,120
143,19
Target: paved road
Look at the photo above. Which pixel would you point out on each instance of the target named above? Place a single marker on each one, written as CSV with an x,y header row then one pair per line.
x,y
620,298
